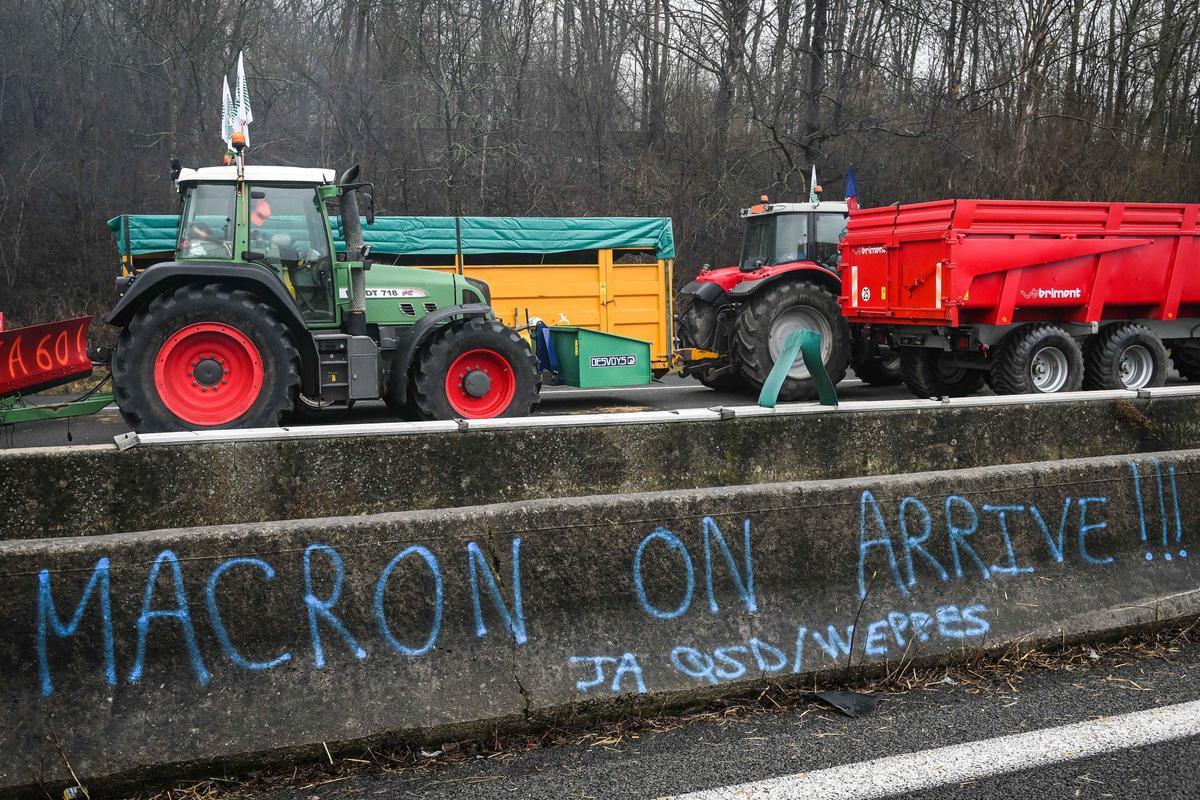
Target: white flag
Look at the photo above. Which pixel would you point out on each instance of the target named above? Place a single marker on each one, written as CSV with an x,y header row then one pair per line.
x,y
243,116
226,113
812,187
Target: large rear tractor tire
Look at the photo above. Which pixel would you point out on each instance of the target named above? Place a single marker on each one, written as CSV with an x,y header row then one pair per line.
x,y
475,369
1037,359
1124,356
205,356
1185,355
771,315
926,374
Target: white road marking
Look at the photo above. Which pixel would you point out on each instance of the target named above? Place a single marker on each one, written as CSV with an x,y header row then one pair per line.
x,y
896,775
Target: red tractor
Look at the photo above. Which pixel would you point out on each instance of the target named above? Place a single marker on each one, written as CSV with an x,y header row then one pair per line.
x,y
732,322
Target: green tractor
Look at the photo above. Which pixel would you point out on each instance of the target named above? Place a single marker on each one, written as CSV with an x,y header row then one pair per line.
x,y
258,316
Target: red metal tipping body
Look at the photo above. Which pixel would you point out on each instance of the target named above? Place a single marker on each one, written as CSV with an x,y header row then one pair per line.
x,y
42,356
1002,262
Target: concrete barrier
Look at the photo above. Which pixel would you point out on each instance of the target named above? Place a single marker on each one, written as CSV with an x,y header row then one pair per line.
x,y
180,649
90,490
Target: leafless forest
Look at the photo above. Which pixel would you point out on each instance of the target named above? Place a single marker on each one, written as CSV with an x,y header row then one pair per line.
x,y
681,108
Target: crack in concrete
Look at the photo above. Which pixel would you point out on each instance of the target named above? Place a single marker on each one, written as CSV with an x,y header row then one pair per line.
x,y
493,556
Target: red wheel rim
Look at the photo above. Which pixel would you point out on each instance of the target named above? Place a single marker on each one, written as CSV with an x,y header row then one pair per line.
x,y
480,384
208,373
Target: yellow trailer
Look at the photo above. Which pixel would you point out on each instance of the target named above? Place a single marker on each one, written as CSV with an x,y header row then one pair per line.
x,y
626,291
609,274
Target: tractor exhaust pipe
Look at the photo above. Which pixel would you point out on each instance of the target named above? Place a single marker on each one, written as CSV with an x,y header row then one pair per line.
x,y
356,325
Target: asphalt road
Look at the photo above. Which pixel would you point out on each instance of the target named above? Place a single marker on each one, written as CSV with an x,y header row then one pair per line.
x,y
666,758
672,392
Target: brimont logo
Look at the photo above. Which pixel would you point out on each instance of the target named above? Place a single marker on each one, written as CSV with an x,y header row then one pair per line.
x,y
872,250
614,361
1052,294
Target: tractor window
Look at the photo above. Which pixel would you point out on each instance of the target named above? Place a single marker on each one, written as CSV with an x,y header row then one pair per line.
x,y
830,230
207,227
286,226
756,247
791,238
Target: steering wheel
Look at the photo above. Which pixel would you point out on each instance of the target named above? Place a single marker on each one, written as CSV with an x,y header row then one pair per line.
x,y
208,248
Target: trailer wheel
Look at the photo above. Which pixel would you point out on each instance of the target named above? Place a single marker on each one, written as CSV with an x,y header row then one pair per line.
x,y
879,369
306,410
1124,356
776,311
475,369
1185,356
205,356
1037,359
728,381
926,373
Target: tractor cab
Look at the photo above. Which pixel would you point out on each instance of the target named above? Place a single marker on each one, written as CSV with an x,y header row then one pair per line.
x,y
779,234
279,221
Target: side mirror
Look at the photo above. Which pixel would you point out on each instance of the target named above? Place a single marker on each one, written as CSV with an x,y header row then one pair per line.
x,y
176,168
369,202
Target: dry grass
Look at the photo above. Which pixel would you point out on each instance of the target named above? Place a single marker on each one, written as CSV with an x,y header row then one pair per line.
x,y
978,673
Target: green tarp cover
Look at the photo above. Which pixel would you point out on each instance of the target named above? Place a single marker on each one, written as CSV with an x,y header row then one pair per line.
x,y
435,235
148,233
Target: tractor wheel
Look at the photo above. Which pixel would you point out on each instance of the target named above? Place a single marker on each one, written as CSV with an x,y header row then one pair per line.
x,y
1124,356
926,374
771,315
879,369
475,369
1037,359
205,356
1185,355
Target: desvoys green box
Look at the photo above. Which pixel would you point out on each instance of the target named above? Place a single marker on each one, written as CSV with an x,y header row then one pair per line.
x,y
589,359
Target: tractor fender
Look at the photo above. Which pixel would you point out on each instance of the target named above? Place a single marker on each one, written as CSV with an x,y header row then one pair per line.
x,y
403,358
814,272
167,276
704,290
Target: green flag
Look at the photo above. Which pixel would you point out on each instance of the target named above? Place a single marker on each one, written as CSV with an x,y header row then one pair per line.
x,y
227,113
243,116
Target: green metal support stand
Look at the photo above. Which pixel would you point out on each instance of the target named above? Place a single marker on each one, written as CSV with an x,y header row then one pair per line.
x,y
808,344
12,411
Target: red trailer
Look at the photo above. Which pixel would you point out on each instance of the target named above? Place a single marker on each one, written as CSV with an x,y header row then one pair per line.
x,y
1030,296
